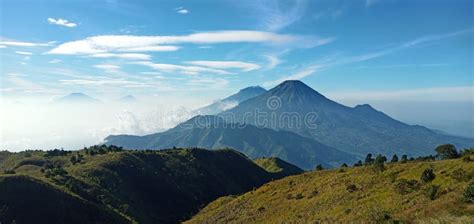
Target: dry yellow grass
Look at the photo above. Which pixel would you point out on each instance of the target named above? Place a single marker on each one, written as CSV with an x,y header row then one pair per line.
x,y
325,197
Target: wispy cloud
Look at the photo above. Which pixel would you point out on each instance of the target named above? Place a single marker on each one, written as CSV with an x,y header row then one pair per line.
x,y
188,70
151,48
276,15
23,44
273,61
245,66
61,22
124,43
23,52
108,67
3,46
323,64
182,10
131,56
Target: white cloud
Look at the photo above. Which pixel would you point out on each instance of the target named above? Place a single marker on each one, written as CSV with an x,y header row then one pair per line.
x,y
226,65
108,67
273,61
188,70
23,52
130,56
151,48
3,46
182,10
103,82
61,22
364,57
108,43
23,44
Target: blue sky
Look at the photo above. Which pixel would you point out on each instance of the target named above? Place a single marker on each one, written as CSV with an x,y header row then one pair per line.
x,y
391,48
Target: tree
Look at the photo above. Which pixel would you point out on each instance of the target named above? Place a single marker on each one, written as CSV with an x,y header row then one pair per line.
x,y
428,175
404,158
379,163
394,158
319,167
447,151
344,165
369,159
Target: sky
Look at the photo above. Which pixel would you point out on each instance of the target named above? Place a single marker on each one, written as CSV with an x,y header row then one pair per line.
x,y
398,55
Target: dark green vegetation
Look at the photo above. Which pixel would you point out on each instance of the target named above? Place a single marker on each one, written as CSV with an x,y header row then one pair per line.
x,y
106,184
445,194
211,132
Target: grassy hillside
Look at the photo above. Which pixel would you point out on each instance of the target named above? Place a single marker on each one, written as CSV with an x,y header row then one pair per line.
x,y
110,185
359,194
278,166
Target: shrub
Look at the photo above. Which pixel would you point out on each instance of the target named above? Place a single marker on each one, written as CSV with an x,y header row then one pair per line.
x,y
319,167
469,193
351,188
359,163
404,186
368,159
427,175
344,165
461,175
432,192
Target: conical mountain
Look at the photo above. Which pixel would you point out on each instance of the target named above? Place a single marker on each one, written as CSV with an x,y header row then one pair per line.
x,y
77,98
294,106
128,99
231,101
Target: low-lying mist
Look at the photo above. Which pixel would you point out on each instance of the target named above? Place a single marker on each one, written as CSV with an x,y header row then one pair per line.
x,y
44,124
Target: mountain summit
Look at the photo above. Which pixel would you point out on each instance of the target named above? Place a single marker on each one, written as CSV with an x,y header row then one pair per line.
x,y
296,107
231,101
77,98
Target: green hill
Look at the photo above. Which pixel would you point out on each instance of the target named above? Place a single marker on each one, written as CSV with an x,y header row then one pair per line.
x,y
278,166
360,195
110,185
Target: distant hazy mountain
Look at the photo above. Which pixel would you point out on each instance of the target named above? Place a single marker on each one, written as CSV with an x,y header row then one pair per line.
x,y
77,98
358,130
128,99
231,101
212,132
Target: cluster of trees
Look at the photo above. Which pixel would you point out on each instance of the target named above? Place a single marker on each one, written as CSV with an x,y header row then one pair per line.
x,y
102,149
51,171
57,152
446,151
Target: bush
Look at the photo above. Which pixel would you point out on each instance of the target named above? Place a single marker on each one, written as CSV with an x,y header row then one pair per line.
x,y
432,192
379,163
427,175
469,193
404,186
461,175
344,165
351,188
394,158
359,163
319,167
